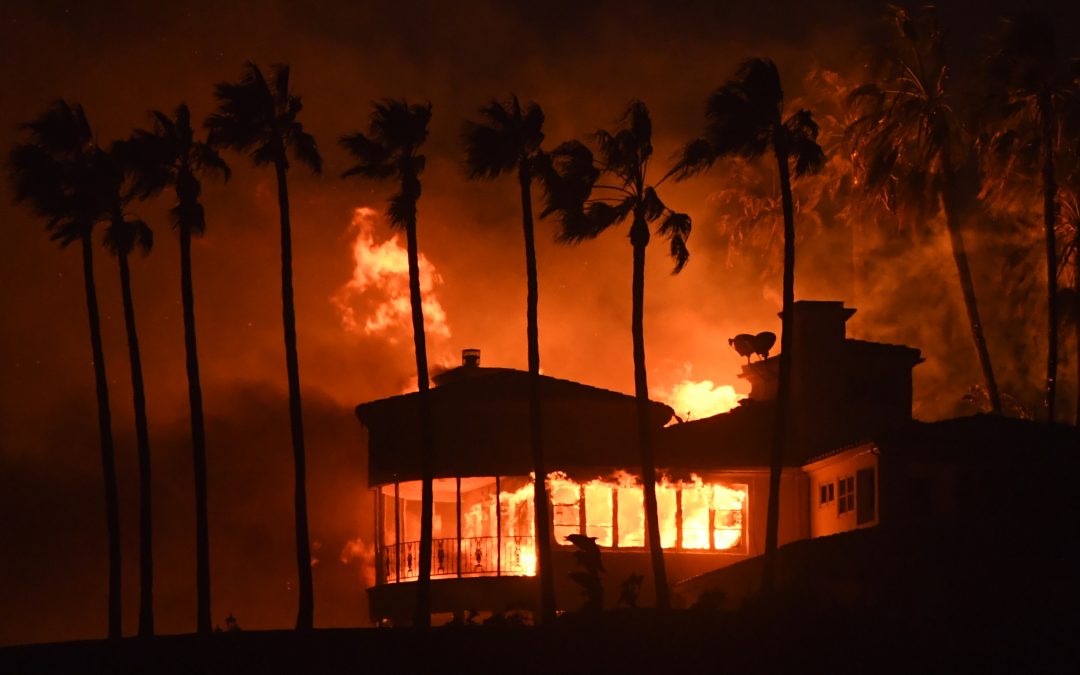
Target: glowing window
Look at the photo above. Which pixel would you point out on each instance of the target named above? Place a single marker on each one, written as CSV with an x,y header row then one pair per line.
x,y
565,506
631,517
598,512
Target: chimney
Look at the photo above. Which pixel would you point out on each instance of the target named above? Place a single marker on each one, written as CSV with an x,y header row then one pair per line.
x,y
818,334
470,358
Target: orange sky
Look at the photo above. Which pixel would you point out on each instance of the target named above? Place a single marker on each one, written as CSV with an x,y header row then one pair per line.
x,y
581,65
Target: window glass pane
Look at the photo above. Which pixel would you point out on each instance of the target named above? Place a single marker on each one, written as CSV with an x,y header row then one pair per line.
x,y
695,516
666,510
386,495
477,507
728,502
409,492
632,516
444,508
566,514
598,513
518,554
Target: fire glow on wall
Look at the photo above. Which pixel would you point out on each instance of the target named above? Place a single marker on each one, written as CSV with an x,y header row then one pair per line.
x,y
484,526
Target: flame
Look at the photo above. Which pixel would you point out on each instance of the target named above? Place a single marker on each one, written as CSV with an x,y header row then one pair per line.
x,y
380,284
696,400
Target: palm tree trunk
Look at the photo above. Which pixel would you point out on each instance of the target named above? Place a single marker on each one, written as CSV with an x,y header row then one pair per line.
x,y
967,286
142,436
639,238
783,396
536,436
198,439
1049,218
422,616
305,617
108,454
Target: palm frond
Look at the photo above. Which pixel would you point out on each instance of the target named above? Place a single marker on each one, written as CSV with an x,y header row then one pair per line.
x,y
652,207
206,159
490,150
696,156
304,148
802,132
567,174
598,216
125,235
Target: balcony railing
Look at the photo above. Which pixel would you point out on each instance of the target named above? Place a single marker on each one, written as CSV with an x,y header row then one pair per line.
x,y
477,556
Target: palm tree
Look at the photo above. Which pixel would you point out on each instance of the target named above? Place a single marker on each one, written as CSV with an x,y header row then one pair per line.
x,y
389,151
53,170
171,156
907,140
509,138
260,117
1038,91
122,236
746,118
588,207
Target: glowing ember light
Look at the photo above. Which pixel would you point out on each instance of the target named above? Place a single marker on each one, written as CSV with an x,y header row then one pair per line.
x,y
380,283
696,400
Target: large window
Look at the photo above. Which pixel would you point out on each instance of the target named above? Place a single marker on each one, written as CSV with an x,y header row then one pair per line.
x,y
485,525
693,515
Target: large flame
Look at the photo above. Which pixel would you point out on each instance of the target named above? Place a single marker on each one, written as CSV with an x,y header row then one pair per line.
x,y
696,400
380,284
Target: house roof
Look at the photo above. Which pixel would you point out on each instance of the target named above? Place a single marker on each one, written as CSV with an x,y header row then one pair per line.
x,y
480,418
493,384
740,438
983,439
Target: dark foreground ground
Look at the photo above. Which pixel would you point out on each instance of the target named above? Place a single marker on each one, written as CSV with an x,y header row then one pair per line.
x,y
789,639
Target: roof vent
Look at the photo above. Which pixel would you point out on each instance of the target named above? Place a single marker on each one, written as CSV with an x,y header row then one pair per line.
x,y
470,358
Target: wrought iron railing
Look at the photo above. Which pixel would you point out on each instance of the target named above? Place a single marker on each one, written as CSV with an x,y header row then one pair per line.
x,y
479,556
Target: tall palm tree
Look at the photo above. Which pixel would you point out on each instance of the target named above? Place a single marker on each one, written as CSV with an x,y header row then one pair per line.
x,y
54,171
586,206
746,118
169,155
509,139
389,151
1038,92
260,117
123,235
908,142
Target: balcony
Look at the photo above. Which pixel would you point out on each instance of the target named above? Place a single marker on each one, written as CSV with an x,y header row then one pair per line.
x,y
464,557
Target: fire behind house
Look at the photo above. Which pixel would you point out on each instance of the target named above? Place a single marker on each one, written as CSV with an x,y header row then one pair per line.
x,y
849,398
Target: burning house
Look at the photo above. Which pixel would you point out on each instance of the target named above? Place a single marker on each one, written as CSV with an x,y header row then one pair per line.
x,y
849,397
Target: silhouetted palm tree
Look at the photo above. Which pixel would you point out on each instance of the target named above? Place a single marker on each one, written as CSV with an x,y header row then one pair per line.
x,y
260,117
55,171
122,236
572,179
907,143
746,118
1037,91
389,151
171,156
509,139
